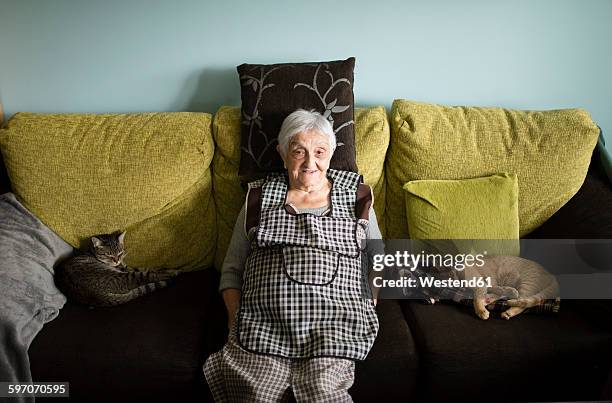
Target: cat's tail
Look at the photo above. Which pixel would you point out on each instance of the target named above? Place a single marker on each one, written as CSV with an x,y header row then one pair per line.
x,y
117,299
141,278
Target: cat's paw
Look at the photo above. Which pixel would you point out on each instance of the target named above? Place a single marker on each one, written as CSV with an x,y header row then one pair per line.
x,y
512,312
173,272
482,313
480,308
167,273
136,269
164,270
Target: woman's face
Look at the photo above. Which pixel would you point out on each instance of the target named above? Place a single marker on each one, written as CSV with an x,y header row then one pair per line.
x,y
307,160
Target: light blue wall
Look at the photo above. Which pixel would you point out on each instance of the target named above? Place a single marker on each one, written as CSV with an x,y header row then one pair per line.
x,y
153,55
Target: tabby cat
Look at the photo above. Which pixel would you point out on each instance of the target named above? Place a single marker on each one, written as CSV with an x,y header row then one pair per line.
x,y
99,277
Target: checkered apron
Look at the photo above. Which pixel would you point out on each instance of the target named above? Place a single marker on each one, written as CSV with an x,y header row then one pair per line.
x,y
302,294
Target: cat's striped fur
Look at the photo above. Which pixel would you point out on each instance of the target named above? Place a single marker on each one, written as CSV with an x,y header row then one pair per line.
x,y
99,277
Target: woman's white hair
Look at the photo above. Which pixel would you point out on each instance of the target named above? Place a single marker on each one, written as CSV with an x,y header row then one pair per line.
x,y
303,121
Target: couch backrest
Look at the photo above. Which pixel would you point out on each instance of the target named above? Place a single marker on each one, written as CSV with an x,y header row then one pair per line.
x,y
154,173
149,173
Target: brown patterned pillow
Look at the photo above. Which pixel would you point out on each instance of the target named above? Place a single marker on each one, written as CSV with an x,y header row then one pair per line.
x,y
271,92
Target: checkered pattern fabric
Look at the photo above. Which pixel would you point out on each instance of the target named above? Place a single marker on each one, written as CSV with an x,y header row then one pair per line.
x,y
306,265
337,234
235,375
464,296
302,287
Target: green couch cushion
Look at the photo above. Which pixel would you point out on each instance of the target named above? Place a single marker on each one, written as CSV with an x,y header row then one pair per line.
x,y
229,194
549,151
87,174
481,212
371,142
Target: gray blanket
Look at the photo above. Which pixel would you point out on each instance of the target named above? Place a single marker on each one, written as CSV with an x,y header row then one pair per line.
x,y
28,296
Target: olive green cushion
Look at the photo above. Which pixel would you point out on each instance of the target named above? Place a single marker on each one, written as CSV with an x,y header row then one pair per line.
x,y
549,151
229,195
371,142
86,174
470,210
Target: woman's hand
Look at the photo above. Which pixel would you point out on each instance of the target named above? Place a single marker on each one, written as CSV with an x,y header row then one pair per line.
x,y
231,297
375,290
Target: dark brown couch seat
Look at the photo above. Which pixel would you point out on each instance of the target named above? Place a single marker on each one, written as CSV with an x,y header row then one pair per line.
x,y
532,357
390,372
151,348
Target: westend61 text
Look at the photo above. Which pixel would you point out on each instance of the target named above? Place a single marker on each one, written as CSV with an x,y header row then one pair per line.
x,y
431,282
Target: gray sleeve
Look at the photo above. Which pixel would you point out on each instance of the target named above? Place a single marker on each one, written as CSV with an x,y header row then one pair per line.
x,y
236,256
373,230
374,243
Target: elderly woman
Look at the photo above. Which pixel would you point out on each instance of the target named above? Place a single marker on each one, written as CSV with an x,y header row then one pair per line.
x,y
293,280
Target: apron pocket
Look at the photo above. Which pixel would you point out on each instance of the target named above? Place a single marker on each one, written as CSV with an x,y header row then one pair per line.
x,y
312,266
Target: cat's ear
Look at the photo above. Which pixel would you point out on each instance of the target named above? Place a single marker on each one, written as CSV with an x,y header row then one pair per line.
x,y
121,236
96,242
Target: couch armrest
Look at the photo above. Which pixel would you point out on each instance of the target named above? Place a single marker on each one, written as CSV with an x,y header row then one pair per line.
x,y
587,215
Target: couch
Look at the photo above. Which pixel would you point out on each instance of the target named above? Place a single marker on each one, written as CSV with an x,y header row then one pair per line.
x,y
152,349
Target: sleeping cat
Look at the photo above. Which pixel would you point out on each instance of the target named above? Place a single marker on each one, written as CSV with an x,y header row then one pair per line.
x,y
99,277
524,283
